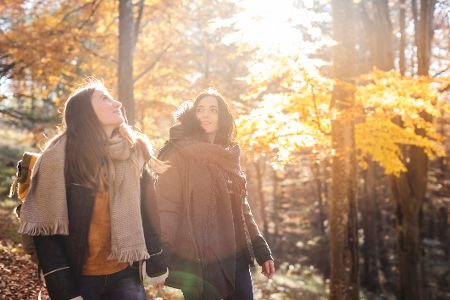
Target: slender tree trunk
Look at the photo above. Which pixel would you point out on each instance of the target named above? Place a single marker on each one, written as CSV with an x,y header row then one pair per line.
x,y
275,213
378,28
409,188
343,214
408,238
262,202
402,46
443,228
384,46
425,36
384,222
320,193
126,47
369,220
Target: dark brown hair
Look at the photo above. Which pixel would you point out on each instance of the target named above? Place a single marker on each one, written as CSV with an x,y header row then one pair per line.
x,y
226,130
86,153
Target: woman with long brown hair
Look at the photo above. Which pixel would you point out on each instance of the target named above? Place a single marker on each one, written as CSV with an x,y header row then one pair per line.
x,y
88,209
207,226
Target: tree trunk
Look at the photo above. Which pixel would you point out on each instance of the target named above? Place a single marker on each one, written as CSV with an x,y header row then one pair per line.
x,y
320,193
384,48
343,215
382,53
368,206
425,36
408,238
277,234
402,46
409,188
126,47
262,202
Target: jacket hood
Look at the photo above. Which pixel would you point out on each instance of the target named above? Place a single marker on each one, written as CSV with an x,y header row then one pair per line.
x,y
186,122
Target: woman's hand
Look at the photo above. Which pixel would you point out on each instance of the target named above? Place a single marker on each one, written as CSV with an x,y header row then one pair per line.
x,y
159,285
159,281
268,269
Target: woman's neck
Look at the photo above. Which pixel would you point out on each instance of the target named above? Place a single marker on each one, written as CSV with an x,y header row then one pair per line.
x,y
211,137
109,131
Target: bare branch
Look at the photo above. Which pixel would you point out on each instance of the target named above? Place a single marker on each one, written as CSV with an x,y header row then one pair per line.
x,y
75,10
93,52
316,109
137,25
440,72
152,64
94,9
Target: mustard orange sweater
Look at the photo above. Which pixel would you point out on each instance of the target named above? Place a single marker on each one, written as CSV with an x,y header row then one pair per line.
x,y
99,240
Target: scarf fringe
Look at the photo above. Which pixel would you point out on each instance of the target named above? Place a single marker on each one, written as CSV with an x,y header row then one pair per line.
x,y
33,229
129,255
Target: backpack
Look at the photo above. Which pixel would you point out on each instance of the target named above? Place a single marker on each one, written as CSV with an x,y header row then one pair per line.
x,y
22,182
21,186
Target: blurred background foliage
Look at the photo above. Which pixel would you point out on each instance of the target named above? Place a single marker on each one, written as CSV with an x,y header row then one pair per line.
x,y
284,67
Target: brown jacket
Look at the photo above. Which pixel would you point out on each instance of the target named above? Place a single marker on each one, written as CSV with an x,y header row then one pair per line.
x,y
205,216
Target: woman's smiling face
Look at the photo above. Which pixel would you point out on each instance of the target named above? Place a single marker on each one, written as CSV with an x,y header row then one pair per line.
x,y
207,113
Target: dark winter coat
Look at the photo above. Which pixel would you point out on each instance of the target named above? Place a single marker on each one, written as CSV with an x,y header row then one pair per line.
x,y
61,258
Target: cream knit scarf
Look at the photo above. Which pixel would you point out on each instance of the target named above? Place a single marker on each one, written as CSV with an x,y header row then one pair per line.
x,y
44,211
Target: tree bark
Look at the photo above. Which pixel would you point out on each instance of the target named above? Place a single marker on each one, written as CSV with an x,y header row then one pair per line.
x,y
381,37
275,212
126,49
402,46
408,190
262,202
384,48
425,36
370,277
343,215
320,193
408,206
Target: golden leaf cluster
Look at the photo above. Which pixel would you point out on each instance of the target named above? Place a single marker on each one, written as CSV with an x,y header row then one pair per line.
x,y
390,112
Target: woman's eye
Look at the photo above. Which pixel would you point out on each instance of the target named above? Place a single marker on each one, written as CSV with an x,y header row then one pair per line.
x,y
109,99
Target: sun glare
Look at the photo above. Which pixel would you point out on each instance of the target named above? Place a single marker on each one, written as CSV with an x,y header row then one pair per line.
x,y
273,26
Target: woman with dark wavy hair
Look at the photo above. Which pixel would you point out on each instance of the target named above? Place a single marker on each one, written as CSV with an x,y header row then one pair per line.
x,y
207,227
88,209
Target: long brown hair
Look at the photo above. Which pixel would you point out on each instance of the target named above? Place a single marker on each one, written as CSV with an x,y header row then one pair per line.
x,y
86,152
226,130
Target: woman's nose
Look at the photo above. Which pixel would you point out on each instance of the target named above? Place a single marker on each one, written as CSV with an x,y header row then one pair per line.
x,y
117,104
204,115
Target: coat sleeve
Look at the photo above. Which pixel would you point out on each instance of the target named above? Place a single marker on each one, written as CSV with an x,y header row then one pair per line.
x,y
168,188
155,265
259,244
59,277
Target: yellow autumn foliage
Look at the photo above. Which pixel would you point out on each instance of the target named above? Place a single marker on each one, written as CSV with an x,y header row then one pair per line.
x,y
292,115
390,112
398,111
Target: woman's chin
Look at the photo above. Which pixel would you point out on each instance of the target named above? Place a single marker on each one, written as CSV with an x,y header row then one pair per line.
x,y
209,131
120,121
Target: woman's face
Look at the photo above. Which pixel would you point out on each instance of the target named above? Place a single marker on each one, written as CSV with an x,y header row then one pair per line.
x,y
107,109
207,113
